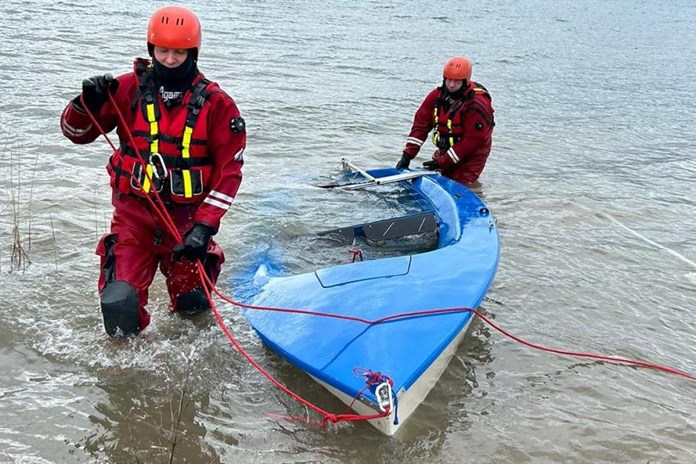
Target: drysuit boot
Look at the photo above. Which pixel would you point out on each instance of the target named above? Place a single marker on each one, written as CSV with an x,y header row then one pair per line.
x,y
192,303
119,305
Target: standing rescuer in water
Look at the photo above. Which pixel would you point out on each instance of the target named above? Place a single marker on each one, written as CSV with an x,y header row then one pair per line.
x,y
461,115
190,136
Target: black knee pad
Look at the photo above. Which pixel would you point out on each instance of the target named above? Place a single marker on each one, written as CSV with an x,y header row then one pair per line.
x,y
119,304
192,303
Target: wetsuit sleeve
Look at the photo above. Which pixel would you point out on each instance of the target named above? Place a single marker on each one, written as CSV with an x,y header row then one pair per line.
x,y
76,124
226,143
422,125
477,129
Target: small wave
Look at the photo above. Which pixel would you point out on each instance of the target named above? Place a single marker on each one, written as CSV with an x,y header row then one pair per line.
x,y
691,276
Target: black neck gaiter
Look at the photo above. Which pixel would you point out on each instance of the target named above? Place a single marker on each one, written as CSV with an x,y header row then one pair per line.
x,y
457,94
173,82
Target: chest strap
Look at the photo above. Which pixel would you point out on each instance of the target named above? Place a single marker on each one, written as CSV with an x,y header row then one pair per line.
x,y
448,139
151,111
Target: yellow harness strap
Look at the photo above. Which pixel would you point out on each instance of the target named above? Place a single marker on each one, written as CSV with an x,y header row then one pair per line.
x,y
154,145
186,153
436,134
154,148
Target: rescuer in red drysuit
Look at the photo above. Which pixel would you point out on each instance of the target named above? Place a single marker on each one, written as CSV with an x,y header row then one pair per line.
x,y
190,136
461,115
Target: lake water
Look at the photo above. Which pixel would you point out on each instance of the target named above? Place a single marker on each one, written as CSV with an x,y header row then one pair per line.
x,y
591,180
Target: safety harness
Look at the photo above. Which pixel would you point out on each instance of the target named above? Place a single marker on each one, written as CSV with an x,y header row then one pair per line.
x,y
163,166
444,135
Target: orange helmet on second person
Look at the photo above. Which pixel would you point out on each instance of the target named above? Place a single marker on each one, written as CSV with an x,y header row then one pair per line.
x,y
174,27
457,68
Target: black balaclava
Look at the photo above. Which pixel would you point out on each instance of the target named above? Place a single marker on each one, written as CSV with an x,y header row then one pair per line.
x,y
456,95
173,82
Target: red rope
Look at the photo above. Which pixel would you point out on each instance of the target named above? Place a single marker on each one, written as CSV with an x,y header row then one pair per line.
x,y
208,285
578,354
433,312
327,416
356,254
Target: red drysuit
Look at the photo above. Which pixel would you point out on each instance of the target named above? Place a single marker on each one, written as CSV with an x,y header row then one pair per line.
x,y
463,131
193,151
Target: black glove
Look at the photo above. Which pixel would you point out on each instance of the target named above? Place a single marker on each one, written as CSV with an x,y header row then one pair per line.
x,y
195,244
431,165
95,91
404,161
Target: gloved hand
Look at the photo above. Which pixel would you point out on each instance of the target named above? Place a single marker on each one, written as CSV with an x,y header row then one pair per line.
x,y
431,165
195,244
404,162
95,91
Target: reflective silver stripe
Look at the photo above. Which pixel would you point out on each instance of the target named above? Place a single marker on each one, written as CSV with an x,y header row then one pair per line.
x,y
221,196
67,128
219,204
414,141
239,156
453,155
218,199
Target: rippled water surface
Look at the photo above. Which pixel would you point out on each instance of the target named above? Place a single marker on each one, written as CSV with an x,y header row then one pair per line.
x,y
591,180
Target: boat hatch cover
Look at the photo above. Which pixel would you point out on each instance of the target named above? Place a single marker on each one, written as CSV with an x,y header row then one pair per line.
x,y
364,270
387,228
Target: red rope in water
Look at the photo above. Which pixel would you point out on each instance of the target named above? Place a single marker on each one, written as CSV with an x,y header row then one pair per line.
x,y
433,312
208,285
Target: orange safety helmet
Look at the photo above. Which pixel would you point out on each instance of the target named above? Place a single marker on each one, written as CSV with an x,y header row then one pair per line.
x,y
174,27
457,68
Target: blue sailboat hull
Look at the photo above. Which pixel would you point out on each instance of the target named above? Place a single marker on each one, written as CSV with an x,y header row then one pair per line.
x,y
412,352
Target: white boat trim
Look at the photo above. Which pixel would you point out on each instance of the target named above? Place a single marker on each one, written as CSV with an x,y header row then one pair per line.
x,y
408,400
386,180
347,164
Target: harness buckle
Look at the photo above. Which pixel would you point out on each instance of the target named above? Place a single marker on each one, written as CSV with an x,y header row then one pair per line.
x,y
159,169
442,142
